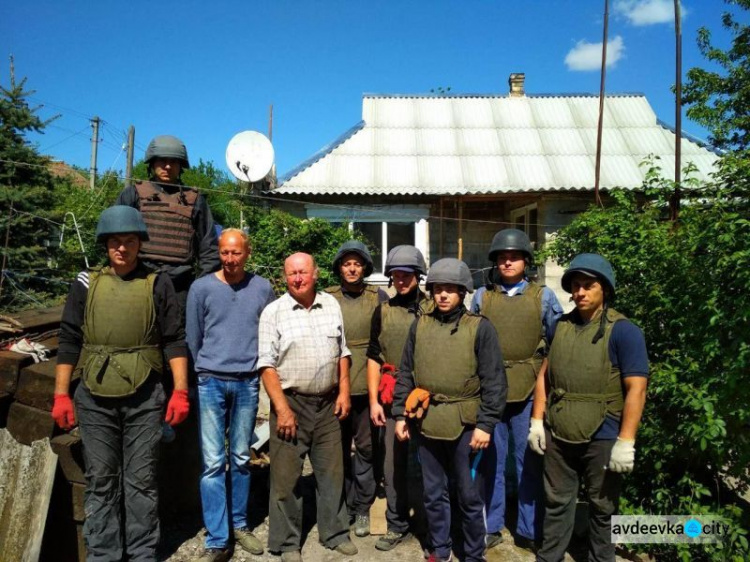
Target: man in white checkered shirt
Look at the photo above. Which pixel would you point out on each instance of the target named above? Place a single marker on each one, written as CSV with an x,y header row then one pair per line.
x,y
304,363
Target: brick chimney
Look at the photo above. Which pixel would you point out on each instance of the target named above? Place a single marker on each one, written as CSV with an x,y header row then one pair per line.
x,y
515,82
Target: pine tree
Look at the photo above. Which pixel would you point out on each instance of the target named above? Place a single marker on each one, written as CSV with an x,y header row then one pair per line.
x,y
26,194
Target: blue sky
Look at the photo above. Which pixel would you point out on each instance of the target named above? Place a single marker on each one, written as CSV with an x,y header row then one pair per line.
x,y
204,71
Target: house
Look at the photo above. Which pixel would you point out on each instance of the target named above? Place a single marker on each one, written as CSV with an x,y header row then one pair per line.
x,y
445,172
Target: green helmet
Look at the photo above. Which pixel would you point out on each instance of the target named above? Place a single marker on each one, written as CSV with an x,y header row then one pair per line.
x,y
450,270
353,247
592,265
121,219
167,146
511,239
405,258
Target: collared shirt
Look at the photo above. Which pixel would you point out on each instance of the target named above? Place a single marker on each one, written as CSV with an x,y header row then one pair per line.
x,y
552,310
303,345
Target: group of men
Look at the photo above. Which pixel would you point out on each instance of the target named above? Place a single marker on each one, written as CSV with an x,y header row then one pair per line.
x,y
419,390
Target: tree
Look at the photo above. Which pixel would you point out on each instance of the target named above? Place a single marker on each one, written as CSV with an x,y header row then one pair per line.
x,y
720,101
26,196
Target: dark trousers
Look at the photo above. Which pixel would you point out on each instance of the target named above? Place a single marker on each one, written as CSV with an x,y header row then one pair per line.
x,y
319,436
359,476
120,438
396,469
564,464
441,459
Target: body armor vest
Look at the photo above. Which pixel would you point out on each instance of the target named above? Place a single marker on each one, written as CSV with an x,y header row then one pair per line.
x,y
584,386
395,322
445,364
357,313
518,321
169,220
120,337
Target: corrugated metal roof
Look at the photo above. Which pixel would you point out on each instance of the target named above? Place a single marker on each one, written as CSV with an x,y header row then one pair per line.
x,y
483,144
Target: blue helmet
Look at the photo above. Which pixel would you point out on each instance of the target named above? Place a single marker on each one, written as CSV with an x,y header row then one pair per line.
x,y
592,265
121,219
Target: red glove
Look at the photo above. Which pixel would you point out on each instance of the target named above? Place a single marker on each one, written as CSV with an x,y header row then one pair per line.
x,y
178,407
387,383
62,411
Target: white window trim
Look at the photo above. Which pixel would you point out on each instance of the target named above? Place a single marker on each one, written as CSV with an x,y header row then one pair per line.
x,y
524,212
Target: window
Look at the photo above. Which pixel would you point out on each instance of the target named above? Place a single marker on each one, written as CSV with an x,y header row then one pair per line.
x,y
527,219
384,227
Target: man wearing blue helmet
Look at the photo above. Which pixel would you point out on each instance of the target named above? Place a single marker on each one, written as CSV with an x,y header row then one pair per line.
x,y
587,411
118,323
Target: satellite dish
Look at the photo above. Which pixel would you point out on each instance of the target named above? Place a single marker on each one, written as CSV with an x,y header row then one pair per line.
x,y
249,156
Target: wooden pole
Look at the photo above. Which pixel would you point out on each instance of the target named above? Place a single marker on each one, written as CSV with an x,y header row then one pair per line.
x,y
441,227
129,163
460,227
94,147
674,202
597,171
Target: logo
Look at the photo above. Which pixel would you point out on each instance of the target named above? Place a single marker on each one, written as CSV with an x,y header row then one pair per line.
x,y
693,528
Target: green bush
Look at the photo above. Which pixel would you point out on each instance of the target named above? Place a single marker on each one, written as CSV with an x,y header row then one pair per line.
x,y
687,286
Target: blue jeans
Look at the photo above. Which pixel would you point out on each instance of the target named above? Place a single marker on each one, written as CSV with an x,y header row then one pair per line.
x,y
528,471
217,398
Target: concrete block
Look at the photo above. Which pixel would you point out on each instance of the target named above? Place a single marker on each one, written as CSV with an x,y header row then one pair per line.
x,y
10,367
70,457
79,512
27,424
36,385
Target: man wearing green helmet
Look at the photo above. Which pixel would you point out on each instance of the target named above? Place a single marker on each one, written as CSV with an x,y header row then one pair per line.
x,y
177,216
452,386
357,300
588,408
118,323
524,314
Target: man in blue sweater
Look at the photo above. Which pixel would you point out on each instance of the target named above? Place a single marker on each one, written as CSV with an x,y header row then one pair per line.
x,y
223,310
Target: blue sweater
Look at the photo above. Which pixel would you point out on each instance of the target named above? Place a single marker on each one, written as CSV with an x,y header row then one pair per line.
x,y
222,324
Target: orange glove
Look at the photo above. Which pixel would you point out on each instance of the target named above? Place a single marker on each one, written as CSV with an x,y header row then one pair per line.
x,y
387,383
62,411
178,407
417,402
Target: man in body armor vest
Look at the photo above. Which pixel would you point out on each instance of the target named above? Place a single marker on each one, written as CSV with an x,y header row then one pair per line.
x,y
524,315
118,324
180,224
358,301
452,385
591,401
389,329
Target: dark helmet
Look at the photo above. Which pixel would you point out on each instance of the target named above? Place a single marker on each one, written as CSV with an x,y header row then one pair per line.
x,y
353,247
121,219
511,239
592,265
167,146
405,258
450,270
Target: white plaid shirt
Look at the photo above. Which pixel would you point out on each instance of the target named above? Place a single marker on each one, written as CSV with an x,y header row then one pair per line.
x,y
304,346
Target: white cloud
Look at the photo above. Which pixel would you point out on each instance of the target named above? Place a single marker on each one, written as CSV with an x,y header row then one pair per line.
x,y
588,56
647,12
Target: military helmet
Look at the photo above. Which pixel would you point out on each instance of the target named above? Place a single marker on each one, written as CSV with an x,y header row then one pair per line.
x,y
352,247
511,239
592,265
405,258
121,219
167,146
450,270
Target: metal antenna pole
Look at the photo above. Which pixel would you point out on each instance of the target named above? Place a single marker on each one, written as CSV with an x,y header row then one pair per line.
x,y
597,171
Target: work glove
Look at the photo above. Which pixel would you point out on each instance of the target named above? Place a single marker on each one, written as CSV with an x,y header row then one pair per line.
x,y
537,440
417,402
622,458
387,383
62,411
178,407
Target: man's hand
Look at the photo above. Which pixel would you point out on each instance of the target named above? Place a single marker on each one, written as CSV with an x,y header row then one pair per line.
x,y
537,440
62,412
343,405
622,458
402,430
286,424
480,439
377,414
178,407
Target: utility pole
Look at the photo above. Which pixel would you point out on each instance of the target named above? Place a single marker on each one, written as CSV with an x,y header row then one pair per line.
x,y
129,163
94,147
597,169
674,201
